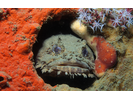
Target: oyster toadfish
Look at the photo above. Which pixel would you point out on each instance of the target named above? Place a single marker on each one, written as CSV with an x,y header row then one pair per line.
x,y
63,55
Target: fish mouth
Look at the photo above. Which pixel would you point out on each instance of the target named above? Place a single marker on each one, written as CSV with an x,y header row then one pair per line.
x,y
75,68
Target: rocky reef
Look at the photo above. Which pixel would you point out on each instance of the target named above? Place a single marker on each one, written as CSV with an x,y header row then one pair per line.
x,y
23,31
18,30
120,76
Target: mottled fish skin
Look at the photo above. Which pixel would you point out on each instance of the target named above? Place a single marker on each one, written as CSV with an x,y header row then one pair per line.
x,y
65,54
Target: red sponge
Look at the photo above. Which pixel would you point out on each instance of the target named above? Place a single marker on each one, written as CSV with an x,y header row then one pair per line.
x,y
106,56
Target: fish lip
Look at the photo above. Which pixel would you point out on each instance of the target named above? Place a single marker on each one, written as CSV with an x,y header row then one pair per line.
x,y
60,67
73,63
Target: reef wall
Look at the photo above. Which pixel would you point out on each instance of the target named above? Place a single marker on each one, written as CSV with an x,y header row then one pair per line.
x,y
18,31
19,28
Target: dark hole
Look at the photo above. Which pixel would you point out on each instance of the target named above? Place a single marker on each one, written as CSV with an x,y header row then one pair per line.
x,y
1,78
53,28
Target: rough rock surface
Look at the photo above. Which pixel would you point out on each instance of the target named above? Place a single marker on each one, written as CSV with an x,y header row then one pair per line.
x,y
18,32
19,29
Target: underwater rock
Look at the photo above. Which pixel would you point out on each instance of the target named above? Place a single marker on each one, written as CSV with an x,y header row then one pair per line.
x,y
4,78
65,87
19,28
119,77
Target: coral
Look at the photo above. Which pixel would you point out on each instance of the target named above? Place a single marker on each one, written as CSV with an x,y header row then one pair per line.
x,y
18,31
98,18
105,52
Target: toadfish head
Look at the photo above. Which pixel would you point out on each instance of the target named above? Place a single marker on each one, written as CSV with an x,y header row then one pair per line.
x,y
65,55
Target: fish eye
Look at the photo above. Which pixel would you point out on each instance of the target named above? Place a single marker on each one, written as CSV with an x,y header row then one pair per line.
x,y
56,49
84,52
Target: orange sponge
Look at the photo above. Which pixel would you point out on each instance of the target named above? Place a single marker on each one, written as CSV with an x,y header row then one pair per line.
x,y
19,28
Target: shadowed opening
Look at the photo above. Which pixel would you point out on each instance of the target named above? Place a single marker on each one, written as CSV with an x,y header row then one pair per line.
x,y
1,78
53,28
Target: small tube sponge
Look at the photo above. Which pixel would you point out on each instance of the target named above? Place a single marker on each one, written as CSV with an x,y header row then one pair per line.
x,y
105,53
82,29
